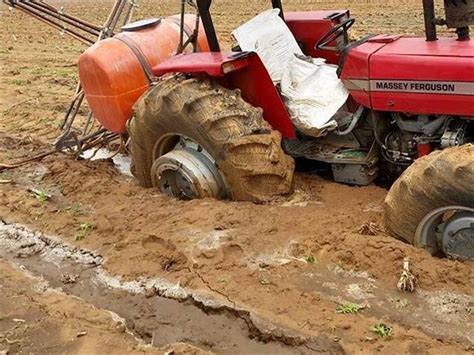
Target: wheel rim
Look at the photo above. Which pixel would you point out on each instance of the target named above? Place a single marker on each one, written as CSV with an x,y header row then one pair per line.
x,y
454,236
188,172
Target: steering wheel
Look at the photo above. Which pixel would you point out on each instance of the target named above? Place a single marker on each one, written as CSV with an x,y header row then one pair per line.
x,y
333,34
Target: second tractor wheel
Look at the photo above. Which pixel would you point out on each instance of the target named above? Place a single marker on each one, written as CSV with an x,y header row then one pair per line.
x,y
431,205
193,138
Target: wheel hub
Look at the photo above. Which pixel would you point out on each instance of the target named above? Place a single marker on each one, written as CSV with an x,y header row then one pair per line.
x,y
454,236
188,172
458,236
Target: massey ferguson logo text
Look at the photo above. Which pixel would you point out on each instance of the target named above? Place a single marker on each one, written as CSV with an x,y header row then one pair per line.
x,y
403,86
453,88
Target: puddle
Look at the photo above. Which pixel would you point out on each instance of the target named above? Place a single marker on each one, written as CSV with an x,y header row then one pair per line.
x,y
121,161
155,310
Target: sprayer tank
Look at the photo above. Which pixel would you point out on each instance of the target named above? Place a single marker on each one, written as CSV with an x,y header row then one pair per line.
x,y
112,72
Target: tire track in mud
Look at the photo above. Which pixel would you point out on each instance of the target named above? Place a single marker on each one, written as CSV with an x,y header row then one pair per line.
x,y
155,310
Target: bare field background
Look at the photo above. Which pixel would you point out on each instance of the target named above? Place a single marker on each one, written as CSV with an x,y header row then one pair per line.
x,y
37,63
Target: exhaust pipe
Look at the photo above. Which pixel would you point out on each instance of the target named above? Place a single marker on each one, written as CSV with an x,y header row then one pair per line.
x,y
430,23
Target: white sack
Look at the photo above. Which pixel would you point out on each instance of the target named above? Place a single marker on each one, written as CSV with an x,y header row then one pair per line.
x,y
313,93
269,36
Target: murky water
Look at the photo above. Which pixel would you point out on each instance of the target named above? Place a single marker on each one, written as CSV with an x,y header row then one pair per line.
x,y
153,317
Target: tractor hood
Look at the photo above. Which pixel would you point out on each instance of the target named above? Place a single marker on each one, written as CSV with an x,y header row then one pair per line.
x,y
406,74
444,47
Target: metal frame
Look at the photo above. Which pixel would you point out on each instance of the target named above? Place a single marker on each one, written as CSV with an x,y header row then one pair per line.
x,y
78,139
204,11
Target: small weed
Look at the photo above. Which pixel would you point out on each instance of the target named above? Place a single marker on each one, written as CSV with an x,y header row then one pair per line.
x,y
311,259
20,82
41,196
382,330
84,229
5,175
348,308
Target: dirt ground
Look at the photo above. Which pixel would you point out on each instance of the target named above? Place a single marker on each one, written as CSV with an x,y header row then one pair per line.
x,y
38,319
272,276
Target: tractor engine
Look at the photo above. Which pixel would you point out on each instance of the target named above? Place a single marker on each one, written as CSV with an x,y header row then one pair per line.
x,y
412,137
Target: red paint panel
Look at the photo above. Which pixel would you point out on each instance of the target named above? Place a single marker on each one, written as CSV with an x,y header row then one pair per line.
x,y
440,67
417,46
209,63
257,89
362,98
356,66
423,104
310,26
445,60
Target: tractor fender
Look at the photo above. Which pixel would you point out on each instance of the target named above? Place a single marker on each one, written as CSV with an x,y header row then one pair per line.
x,y
241,70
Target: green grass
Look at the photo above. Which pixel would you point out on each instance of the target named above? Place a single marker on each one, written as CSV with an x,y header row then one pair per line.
x,y
42,197
20,82
348,308
382,330
83,230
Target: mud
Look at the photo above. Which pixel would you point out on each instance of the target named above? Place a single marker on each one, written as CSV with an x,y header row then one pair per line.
x,y
154,310
252,256
290,263
38,319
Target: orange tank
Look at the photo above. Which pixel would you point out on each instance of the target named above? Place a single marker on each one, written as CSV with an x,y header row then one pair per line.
x,y
112,75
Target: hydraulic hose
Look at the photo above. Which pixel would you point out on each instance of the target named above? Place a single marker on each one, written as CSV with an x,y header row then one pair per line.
x,y
355,119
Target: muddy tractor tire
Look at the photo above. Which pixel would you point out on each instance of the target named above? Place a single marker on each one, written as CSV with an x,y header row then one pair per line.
x,y
221,145
441,179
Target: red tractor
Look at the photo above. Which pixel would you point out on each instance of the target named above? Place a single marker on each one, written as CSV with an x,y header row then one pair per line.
x,y
207,123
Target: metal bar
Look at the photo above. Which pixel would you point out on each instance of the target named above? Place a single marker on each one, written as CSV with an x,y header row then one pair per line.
x,y
181,28
116,17
62,18
73,110
196,32
46,13
76,19
129,13
203,8
276,4
56,25
88,123
112,13
429,15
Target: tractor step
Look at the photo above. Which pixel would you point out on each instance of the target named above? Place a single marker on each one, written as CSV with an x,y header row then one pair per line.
x,y
349,166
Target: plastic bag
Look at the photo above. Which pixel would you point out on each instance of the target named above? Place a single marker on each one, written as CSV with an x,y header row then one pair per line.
x,y
269,36
313,93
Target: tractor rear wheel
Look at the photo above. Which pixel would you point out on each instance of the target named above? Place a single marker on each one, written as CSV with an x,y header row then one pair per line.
x,y
439,183
193,138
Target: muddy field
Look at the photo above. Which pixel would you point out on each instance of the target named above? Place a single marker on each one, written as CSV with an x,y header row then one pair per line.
x,y
105,266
